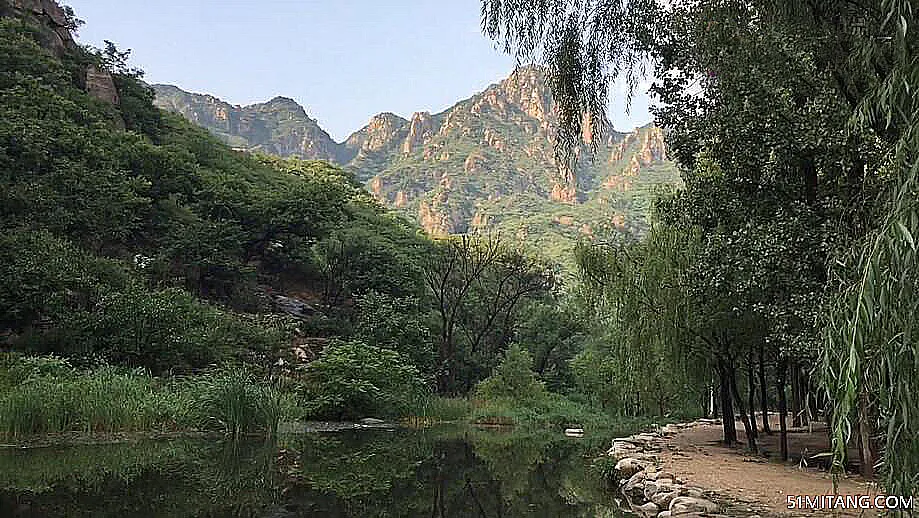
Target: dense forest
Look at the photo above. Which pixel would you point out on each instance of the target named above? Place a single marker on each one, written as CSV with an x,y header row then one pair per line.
x,y
212,288
784,270
151,277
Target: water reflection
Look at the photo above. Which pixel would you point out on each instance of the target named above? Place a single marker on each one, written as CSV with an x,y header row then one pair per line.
x,y
443,472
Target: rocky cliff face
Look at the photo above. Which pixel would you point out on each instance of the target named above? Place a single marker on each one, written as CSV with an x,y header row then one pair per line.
x,y
56,22
487,161
279,126
55,25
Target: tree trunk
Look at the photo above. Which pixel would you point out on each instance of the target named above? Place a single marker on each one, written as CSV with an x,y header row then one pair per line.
x,y
745,419
727,407
865,449
780,371
751,395
795,395
764,393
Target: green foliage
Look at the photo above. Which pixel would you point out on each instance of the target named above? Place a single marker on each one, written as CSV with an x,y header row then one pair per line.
x,y
353,379
513,380
45,395
398,324
788,118
233,400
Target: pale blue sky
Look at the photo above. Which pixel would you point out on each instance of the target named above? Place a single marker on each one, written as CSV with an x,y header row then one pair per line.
x,y
345,60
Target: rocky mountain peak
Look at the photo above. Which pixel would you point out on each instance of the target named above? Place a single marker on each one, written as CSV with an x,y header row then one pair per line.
x,y
420,130
486,161
382,132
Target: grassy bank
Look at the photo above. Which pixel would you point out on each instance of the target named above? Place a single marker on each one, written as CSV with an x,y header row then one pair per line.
x,y
45,395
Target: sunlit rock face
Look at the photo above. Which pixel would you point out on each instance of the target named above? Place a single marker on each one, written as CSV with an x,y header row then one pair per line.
x,y
476,165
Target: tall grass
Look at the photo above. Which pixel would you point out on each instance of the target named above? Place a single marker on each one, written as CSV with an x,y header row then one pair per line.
x,y
433,409
104,400
42,396
236,402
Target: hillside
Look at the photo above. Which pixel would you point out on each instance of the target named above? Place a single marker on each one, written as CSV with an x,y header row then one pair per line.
x,y
134,237
487,161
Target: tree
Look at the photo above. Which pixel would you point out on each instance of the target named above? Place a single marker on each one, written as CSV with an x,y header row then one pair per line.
x,y
477,284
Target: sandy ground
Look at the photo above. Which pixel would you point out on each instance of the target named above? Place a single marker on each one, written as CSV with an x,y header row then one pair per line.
x,y
755,485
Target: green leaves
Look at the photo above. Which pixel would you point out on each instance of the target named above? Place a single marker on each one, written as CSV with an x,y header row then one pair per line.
x,y
353,380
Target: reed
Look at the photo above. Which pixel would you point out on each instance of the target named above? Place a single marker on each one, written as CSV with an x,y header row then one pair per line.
x,y
36,400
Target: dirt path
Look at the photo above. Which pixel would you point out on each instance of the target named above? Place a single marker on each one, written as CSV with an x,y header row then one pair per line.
x,y
755,485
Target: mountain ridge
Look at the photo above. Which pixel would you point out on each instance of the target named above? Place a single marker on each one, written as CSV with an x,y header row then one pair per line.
x,y
487,161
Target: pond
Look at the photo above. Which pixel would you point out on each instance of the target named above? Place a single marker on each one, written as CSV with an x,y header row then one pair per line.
x,y
436,472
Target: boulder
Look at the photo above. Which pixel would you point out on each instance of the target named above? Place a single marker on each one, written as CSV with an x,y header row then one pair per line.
x,y
648,509
634,488
293,307
694,492
683,505
663,498
629,466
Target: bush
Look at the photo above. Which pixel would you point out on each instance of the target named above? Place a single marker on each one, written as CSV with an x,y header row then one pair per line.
x,y
233,400
513,380
163,331
353,379
397,324
101,401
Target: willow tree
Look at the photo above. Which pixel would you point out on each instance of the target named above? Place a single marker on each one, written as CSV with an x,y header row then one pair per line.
x,y
661,338
864,52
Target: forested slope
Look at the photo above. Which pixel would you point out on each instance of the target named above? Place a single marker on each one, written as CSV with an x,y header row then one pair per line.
x,y
132,235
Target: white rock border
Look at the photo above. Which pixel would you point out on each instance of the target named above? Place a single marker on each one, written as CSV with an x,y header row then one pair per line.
x,y
649,491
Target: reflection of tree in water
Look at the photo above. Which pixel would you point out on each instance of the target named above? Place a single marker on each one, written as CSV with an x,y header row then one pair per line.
x,y
458,475
438,473
149,479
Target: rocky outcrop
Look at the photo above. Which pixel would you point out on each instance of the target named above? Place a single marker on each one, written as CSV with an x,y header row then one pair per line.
x,y
56,22
55,25
433,221
382,133
99,84
420,130
650,491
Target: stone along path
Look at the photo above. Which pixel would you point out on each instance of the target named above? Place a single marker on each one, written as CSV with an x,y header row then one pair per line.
x,y
683,470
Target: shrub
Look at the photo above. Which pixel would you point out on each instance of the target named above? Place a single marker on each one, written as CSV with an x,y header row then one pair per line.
x,y
236,402
513,380
353,379
103,400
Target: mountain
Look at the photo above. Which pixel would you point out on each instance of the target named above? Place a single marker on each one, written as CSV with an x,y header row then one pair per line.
x,y
487,161
278,127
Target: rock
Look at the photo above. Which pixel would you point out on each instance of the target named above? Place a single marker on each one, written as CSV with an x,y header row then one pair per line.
x,y
694,492
55,29
663,514
99,84
650,489
634,488
420,131
648,509
683,505
663,498
293,307
629,466
372,421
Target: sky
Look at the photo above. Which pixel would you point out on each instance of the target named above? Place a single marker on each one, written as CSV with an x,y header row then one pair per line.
x,y
344,60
